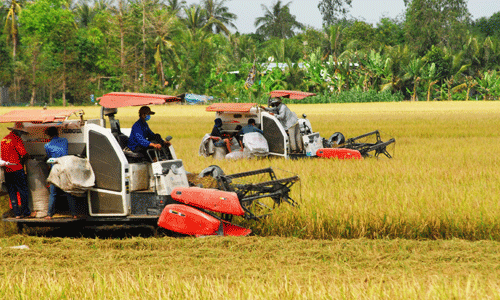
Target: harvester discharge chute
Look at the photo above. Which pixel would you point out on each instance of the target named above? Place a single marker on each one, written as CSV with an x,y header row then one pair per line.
x,y
203,211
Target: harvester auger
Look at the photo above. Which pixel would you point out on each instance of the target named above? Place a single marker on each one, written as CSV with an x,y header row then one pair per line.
x,y
202,211
365,149
252,195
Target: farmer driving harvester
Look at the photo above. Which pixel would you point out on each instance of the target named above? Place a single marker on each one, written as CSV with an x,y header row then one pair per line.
x,y
141,137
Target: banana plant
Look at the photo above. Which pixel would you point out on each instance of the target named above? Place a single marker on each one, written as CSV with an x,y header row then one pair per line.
x,y
429,75
314,74
413,72
489,85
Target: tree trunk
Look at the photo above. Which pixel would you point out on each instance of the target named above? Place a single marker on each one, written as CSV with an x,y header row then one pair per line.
x,y
449,83
33,77
51,94
14,46
122,43
414,96
64,79
143,43
429,90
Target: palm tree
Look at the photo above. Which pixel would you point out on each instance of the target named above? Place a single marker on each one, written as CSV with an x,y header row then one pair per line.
x,y
10,27
217,11
277,21
84,13
195,17
193,56
335,35
162,25
282,49
413,74
175,6
398,57
119,20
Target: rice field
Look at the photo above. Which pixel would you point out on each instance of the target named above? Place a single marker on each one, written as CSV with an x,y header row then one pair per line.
x,y
443,181
423,225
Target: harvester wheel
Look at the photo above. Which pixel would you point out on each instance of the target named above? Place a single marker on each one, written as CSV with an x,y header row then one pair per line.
x,y
336,139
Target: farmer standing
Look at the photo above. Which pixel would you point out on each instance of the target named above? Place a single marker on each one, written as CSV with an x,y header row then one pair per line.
x,y
57,147
290,122
141,136
13,151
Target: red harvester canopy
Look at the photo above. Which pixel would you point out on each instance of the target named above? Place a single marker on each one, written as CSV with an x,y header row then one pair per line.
x,y
295,95
115,100
231,107
37,116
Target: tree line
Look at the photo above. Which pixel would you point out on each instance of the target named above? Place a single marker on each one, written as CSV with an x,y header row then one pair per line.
x,y
59,51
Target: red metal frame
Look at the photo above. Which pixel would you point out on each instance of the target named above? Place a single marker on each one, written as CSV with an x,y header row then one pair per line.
x,y
340,153
122,99
191,221
37,116
294,95
211,199
231,107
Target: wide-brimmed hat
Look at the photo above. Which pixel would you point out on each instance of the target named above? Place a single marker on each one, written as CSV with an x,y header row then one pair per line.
x,y
145,110
275,101
18,129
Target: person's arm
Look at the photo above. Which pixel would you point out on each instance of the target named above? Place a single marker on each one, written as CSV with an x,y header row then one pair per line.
x,y
280,112
151,135
24,156
139,136
65,146
47,156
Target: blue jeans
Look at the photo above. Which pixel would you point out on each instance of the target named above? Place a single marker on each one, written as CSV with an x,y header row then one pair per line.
x,y
17,182
54,192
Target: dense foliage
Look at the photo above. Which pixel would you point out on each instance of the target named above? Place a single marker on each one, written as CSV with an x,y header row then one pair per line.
x,y
55,51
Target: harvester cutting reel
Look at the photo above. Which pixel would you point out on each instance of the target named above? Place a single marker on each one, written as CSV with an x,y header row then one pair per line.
x,y
252,195
373,148
208,211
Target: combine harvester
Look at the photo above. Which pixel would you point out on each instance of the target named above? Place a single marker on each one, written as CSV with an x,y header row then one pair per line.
x,y
234,114
130,189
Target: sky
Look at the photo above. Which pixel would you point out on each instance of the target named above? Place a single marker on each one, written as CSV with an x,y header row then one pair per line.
x,y
307,12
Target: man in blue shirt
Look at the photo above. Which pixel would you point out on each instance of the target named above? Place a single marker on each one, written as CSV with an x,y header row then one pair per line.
x,y
251,127
141,137
57,147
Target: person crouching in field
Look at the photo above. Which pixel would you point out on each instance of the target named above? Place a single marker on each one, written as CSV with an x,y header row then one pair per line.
x,y
13,152
57,147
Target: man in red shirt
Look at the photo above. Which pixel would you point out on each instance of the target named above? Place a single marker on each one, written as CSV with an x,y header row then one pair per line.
x,y
13,151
